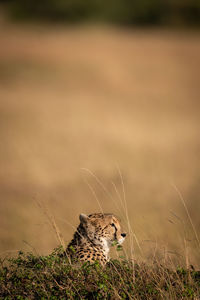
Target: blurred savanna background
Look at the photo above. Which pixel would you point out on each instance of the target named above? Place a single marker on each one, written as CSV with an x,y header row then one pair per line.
x,y
99,110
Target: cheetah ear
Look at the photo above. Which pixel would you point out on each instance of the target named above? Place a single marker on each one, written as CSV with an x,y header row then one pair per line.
x,y
83,218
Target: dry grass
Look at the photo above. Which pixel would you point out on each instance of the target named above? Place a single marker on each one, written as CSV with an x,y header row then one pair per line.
x,y
105,100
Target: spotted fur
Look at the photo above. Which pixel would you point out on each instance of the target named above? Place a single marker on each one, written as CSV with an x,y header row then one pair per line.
x,y
94,237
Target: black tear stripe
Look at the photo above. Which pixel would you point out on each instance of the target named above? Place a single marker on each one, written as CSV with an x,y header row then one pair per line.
x,y
115,235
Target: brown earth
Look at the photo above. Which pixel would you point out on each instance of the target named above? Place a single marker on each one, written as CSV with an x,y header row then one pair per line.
x,y
123,106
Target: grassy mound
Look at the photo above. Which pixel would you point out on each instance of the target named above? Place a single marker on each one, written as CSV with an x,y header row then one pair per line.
x,y
53,277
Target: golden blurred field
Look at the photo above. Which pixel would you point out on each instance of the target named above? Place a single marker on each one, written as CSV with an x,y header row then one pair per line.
x,y
118,103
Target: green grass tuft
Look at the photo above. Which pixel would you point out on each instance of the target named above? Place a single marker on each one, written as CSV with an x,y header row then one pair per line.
x,y
53,277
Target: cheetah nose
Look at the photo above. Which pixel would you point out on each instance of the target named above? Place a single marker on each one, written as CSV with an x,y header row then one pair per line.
x,y
123,235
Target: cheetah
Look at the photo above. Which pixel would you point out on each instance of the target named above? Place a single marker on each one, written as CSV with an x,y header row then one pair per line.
x,y
94,237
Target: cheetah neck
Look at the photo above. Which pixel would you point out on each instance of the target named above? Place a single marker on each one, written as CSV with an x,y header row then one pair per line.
x,y
105,245
98,244
84,241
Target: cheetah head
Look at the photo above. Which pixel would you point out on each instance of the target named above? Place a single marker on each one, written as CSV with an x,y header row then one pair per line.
x,y
102,229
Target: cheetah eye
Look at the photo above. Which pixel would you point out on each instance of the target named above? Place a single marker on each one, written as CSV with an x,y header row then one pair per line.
x,y
113,225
